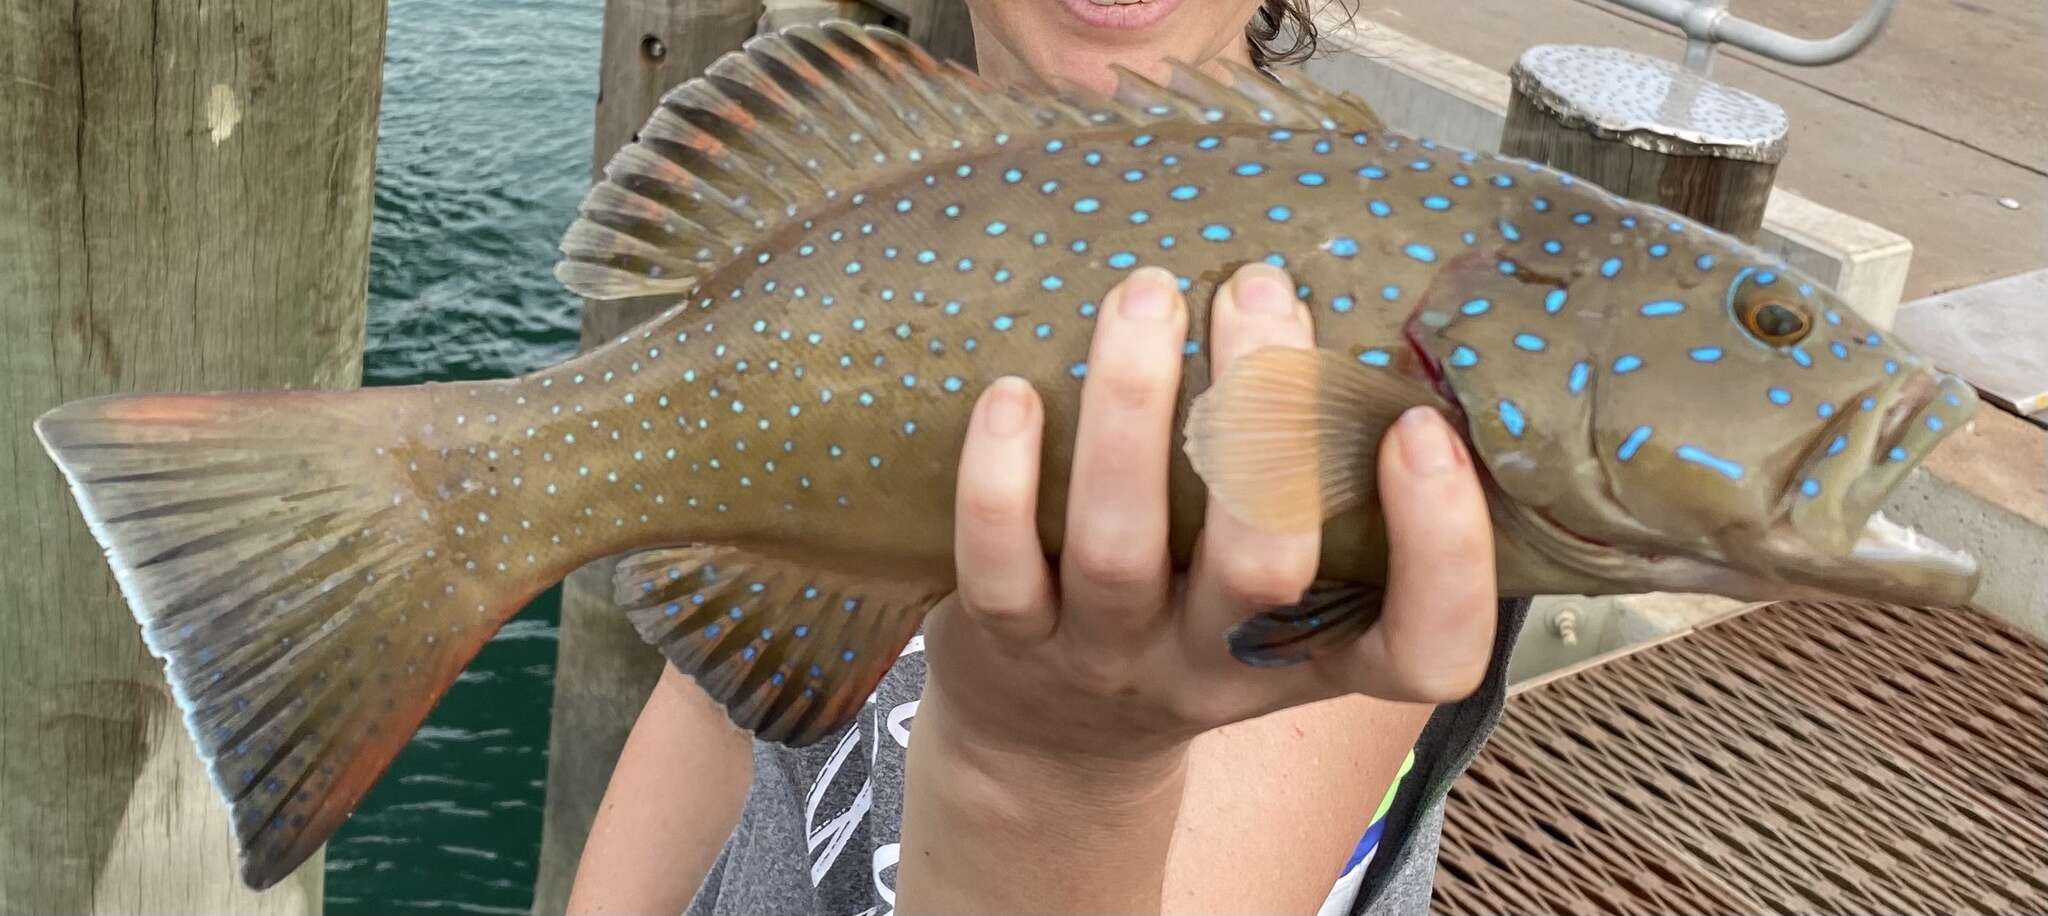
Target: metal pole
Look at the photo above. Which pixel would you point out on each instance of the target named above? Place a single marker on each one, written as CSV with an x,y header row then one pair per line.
x,y
1708,22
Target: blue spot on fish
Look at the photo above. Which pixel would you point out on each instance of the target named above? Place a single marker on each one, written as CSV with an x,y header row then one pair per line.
x,y
1709,460
1250,169
1810,488
1779,396
1627,363
1051,284
1311,179
1374,357
1662,308
1582,372
1341,304
1420,252
1379,208
1436,202
1633,444
1610,268
1476,307
1529,342
1511,417
1553,301
1706,354
1123,260
1390,293
1217,232
1185,192
1836,447
1280,214
1087,205
1464,357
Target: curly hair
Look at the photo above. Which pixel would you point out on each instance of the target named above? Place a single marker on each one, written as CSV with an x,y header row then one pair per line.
x,y
1282,32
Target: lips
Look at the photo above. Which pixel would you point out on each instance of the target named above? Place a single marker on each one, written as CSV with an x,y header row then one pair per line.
x,y
1120,14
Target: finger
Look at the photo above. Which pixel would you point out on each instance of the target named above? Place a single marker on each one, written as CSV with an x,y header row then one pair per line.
x,y
1436,627
1004,582
1114,568
1240,569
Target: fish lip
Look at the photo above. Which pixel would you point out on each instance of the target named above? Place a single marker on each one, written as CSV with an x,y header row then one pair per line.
x,y
1883,559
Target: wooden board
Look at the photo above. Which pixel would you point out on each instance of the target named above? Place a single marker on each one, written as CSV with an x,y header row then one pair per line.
x,y
185,199
1994,334
604,671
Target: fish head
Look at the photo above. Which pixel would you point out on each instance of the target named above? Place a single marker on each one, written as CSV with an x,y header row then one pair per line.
x,y
1665,407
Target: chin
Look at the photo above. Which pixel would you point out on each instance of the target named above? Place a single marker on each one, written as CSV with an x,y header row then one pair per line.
x,y
1080,41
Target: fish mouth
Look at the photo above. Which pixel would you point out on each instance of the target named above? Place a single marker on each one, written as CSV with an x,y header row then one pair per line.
x,y
1846,543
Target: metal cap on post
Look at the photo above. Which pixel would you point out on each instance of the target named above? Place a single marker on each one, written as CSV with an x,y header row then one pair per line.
x,y
1649,130
1653,131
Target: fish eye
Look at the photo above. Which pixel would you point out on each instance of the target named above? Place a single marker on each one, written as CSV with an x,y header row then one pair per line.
x,y
1776,323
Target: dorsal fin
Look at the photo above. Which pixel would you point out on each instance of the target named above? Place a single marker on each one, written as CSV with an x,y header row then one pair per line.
x,y
799,118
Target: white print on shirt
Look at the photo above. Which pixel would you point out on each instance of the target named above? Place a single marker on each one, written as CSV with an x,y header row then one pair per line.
x,y
836,833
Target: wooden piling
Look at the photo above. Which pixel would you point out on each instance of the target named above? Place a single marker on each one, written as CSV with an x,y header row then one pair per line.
x,y
185,200
1649,130
603,671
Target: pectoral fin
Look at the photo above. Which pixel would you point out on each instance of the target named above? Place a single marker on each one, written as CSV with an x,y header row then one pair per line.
x,y
1289,437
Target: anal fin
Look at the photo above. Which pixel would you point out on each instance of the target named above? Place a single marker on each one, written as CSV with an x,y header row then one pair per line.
x,y
790,650
1330,615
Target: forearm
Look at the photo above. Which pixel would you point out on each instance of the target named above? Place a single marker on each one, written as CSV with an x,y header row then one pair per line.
x,y
674,797
1286,797
988,830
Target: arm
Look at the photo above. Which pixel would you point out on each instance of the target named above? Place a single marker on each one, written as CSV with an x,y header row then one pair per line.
x,y
1285,797
674,798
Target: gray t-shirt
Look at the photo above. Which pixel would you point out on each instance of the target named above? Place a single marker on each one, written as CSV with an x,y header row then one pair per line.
x,y
820,827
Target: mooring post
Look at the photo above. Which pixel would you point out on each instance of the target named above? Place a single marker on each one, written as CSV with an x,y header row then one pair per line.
x,y
185,200
603,670
1649,130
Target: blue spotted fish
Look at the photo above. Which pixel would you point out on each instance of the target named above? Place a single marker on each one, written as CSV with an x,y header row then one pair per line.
x,y
856,240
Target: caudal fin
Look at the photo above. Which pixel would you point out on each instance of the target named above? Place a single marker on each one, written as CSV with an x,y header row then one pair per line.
x,y
283,566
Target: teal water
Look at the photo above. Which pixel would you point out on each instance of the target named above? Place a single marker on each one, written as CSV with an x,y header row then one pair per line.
x,y
483,154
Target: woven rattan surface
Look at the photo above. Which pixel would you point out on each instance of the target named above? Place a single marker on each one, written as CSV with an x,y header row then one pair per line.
x,y
1799,758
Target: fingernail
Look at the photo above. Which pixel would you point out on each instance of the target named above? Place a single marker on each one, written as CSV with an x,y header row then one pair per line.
x,y
1426,442
1262,290
1146,295
1007,409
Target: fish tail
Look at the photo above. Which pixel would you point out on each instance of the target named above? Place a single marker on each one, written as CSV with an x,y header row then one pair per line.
x,y
285,566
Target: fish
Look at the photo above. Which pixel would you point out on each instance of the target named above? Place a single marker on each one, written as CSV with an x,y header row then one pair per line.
x,y
853,240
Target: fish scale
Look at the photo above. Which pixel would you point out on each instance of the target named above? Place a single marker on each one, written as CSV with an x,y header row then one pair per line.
x,y
858,239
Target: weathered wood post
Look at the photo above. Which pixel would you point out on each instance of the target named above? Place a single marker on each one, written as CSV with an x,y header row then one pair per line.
x,y
1648,130
603,671
185,199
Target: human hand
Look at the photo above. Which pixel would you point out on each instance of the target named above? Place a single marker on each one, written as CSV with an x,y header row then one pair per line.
x,y
1113,657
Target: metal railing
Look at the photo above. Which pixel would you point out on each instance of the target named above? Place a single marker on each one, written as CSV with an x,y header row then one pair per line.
x,y
1707,23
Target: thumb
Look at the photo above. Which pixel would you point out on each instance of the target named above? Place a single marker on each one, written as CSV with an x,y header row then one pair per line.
x,y
1435,634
